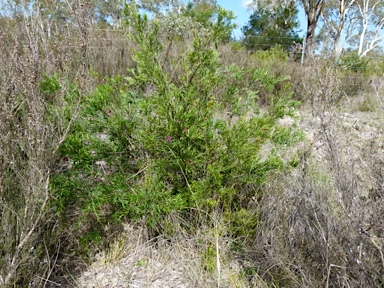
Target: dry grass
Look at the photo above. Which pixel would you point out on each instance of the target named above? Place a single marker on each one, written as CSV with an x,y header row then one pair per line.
x,y
320,226
200,259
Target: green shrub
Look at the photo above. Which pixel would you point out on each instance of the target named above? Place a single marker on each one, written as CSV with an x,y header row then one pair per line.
x,y
182,139
353,62
274,55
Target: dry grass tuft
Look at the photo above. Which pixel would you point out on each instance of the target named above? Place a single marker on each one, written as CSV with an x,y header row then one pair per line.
x,y
198,259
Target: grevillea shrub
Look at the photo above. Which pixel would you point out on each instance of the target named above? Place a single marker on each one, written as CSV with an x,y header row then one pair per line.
x,y
177,139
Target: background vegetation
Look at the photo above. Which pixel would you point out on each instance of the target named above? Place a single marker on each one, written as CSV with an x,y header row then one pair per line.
x,y
110,118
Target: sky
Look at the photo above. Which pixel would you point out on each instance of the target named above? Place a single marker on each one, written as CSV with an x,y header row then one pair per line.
x,y
242,13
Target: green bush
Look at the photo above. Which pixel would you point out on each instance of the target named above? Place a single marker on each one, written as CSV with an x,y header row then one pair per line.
x,y
354,63
274,55
183,139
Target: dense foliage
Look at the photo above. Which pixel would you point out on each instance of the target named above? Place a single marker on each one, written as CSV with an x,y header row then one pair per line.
x,y
268,27
186,143
112,118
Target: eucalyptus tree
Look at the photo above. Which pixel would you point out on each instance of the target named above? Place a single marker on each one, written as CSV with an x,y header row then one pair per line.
x,y
209,14
340,19
359,23
313,10
159,7
272,25
371,24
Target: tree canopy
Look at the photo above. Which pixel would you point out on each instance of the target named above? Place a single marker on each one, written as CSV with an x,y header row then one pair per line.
x,y
210,15
267,27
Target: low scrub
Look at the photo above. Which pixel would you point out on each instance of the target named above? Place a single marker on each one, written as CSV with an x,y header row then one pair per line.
x,y
188,142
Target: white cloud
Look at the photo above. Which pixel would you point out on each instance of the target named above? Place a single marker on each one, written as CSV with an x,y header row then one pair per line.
x,y
249,3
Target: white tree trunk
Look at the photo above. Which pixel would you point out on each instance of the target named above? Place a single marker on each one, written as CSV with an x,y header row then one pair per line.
x,y
367,13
